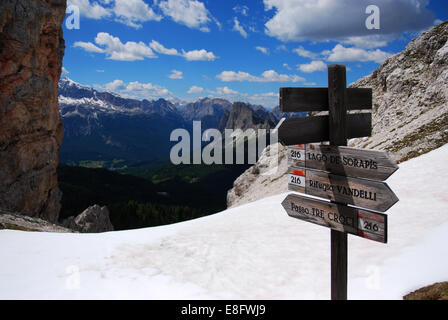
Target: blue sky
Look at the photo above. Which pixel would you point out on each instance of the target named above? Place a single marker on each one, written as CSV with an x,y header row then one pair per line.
x,y
237,50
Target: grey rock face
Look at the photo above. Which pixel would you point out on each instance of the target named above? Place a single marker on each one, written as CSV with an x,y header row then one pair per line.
x,y
15,221
410,96
92,220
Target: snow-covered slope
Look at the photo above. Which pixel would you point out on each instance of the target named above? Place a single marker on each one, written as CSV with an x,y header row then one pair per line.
x,y
254,251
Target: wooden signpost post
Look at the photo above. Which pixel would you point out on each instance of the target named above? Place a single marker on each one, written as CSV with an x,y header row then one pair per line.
x,y
340,175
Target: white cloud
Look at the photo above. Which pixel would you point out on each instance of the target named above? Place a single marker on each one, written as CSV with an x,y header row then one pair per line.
x,y
88,46
368,42
267,76
285,65
313,66
262,50
116,85
88,10
343,54
268,99
225,91
131,51
159,48
137,89
132,12
191,13
238,28
176,74
299,20
195,90
64,71
198,55
302,52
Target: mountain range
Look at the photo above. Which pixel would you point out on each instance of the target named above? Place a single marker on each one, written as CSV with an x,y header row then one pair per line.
x,y
106,129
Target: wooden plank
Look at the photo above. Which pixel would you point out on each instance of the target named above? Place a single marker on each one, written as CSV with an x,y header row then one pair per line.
x,y
338,135
363,193
345,161
316,99
342,218
304,130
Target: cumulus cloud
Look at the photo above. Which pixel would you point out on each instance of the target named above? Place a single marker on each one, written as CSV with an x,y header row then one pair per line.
x,y
116,85
133,12
267,76
195,90
137,89
226,91
343,54
262,50
238,28
302,52
176,74
313,66
159,48
368,42
88,46
299,20
198,55
90,10
190,13
131,51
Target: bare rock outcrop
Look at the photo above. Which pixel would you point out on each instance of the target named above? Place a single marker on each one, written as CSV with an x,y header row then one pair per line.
x,y
92,220
410,92
14,221
410,114
31,52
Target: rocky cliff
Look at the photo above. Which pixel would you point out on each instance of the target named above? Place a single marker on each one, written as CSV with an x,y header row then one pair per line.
x,y
410,115
31,52
244,116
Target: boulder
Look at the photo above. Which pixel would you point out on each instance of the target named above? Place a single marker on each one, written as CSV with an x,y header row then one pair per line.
x,y
92,220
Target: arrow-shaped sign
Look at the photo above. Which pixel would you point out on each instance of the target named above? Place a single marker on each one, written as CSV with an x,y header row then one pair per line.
x,y
316,129
345,161
316,99
342,218
362,193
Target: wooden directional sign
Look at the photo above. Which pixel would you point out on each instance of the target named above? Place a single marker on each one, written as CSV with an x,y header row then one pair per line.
x,y
316,99
316,129
362,193
362,223
360,163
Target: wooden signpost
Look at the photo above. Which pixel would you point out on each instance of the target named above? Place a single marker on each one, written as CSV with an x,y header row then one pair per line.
x,y
362,223
368,164
347,179
374,195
